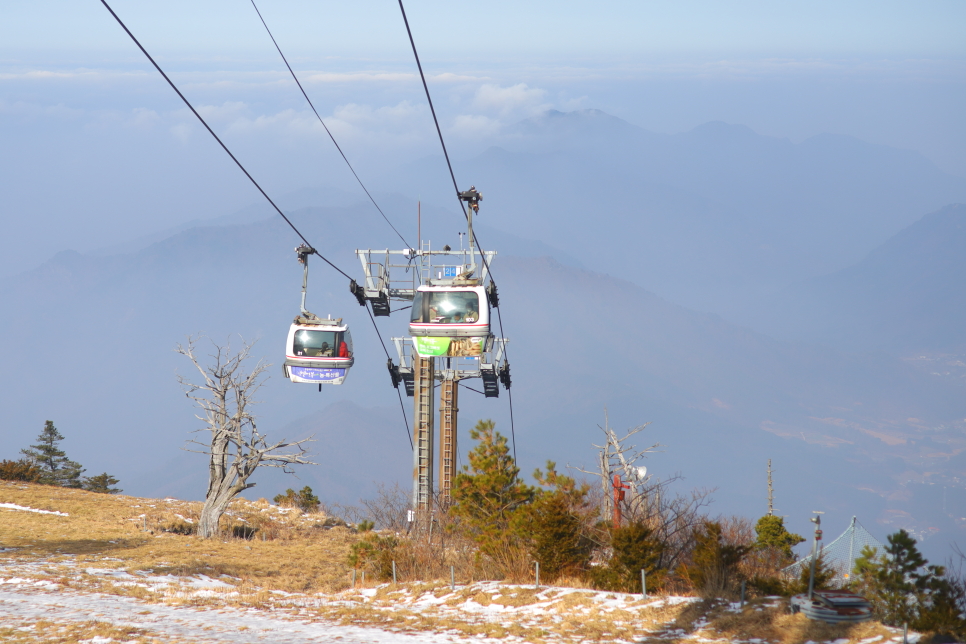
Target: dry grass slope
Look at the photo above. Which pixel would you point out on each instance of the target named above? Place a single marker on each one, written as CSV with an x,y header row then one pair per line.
x,y
300,571
302,554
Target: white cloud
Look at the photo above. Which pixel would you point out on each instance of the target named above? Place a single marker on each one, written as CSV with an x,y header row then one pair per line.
x,y
355,114
330,77
492,107
181,131
144,118
507,100
227,111
475,125
571,104
448,77
23,108
96,75
404,123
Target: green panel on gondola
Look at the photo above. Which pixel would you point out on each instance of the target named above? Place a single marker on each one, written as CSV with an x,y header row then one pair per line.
x,y
432,347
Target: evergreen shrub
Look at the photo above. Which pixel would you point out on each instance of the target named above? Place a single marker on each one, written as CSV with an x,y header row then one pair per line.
x,y
21,470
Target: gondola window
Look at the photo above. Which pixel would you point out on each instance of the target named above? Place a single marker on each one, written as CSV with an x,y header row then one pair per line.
x,y
431,307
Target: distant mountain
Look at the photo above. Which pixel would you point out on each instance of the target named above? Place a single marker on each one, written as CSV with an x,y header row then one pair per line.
x,y
87,342
907,296
714,218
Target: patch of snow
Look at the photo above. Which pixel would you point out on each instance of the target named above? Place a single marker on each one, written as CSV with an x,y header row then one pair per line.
x,y
14,506
159,582
110,572
226,625
675,600
32,583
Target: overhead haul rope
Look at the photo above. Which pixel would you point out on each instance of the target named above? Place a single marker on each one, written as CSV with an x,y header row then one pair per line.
x,y
375,327
452,175
250,178
220,142
402,407
327,131
442,143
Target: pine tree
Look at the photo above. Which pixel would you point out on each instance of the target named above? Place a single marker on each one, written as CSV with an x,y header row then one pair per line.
x,y
555,523
488,494
634,547
55,467
772,533
824,576
714,562
901,576
22,470
898,582
304,499
101,483
946,605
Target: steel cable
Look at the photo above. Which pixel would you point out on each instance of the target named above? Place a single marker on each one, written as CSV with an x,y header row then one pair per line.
x,y
327,131
439,132
429,99
220,142
402,407
255,183
452,175
509,391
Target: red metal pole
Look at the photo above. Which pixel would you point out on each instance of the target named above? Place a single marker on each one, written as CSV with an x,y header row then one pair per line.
x,y
618,497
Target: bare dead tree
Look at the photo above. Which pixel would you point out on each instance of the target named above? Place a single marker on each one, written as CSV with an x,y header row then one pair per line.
x,y
618,456
235,447
390,508
672,517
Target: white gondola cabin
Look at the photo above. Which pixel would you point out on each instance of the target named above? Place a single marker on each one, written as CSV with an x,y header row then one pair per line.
x,y
451,320
318,351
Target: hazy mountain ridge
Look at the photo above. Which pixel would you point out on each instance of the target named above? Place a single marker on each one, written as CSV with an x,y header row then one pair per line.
x,y
723,398
907,296
715,218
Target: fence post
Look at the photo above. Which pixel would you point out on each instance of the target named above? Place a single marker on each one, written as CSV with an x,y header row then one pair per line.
x,y
363,577
742,593
353,577
643,583
452,578
393,572
537,564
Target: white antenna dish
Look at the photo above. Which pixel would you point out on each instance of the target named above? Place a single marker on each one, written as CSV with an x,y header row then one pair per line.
x,y
641,473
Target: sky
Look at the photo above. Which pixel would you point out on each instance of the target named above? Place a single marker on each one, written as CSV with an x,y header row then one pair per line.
x,y
535,28
100,150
